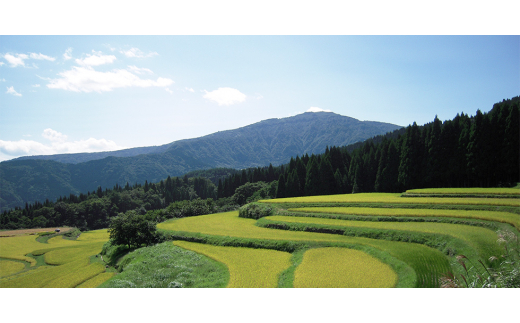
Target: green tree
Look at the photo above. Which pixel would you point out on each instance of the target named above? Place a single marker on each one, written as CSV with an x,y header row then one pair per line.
x,y
132,229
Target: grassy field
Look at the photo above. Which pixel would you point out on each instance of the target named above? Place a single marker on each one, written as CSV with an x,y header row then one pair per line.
x,y
165,265
253,268
503,217
343,268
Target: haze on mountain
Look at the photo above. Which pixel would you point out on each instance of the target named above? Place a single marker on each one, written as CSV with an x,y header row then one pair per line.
x,y
272,141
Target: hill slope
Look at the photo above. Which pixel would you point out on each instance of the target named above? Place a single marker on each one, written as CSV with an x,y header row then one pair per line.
x,y
270,141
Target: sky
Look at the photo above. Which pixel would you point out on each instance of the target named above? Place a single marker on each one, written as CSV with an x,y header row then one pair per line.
x,y
75,93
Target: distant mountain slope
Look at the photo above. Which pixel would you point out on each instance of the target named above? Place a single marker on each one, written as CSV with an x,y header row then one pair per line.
x,y
270,141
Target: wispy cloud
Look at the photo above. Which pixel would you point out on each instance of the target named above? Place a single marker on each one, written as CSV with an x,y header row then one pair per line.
x,y
2,80
58,145
10,90
2,63
169,91
86,79
316,109
36,85
137,70
188,89
136,52
40,56
68,54
16,60
95,59
225,96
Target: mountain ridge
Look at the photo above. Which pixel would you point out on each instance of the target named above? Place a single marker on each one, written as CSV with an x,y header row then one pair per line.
x,y
271,141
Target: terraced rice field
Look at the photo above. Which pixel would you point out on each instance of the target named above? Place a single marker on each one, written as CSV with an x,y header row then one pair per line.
x,y
344,268
67,261
253,268
482,239
395,198
503,217
428,263
431,265
468,191
8,267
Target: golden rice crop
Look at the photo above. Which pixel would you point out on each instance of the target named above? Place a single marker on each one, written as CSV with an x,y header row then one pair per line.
x,y
8,267
482,239
96,280
229,224
343,268
247,267
62,256
504,217
394,198
68,275
468,190
18,247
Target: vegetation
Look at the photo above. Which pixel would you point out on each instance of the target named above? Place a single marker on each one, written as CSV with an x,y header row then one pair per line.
x,y
8,267
133,229
252,268
391,213
165,266
255,211
343,268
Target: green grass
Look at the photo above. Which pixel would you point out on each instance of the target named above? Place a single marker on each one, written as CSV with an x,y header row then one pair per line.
x,y
342,268
165,265
503,217
248,268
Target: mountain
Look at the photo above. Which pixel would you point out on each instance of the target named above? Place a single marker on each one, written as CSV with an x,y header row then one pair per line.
x,y
272,141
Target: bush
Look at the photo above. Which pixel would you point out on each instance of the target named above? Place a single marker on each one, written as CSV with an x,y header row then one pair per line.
x,y
255,211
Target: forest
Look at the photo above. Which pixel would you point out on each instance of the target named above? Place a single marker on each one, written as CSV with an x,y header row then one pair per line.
x,y
477,151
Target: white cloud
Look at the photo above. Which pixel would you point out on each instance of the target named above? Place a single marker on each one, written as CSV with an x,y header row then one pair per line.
x,y
136,52
189,89
58,145
2,63
86,79
315,109
67,55
169,91
16,60
54,135
36,85
225,96
11,90
137,70
96,59
40,56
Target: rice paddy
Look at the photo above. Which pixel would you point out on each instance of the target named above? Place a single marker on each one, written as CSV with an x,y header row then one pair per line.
x,y
343,268
503,217
67,262
395,198
252,268
394,241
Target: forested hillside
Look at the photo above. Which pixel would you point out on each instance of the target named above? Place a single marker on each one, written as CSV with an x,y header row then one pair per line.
x,y
272,141
463,152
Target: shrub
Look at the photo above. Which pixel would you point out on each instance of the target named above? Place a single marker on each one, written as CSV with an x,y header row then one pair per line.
x,y
255,211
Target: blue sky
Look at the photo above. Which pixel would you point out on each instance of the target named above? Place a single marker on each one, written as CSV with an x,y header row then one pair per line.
x,y
65,94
